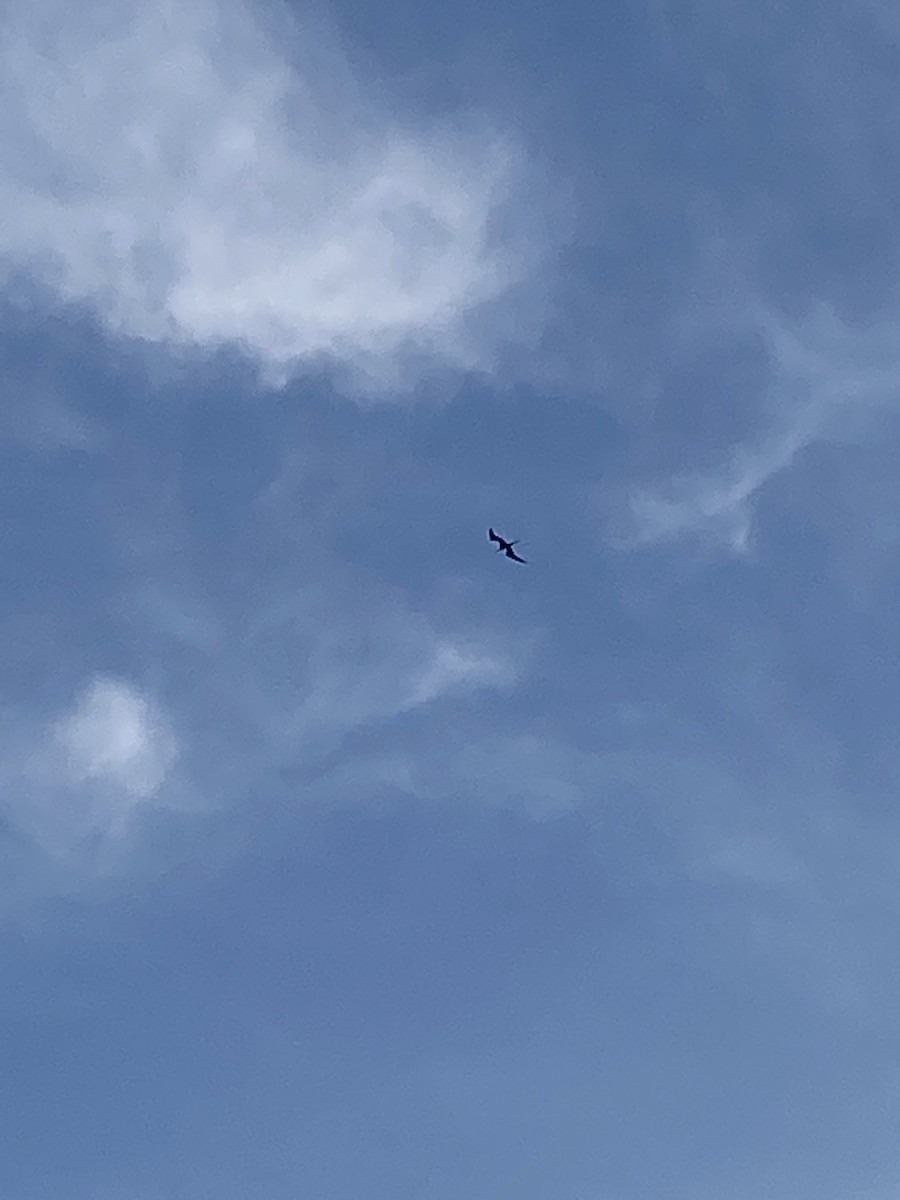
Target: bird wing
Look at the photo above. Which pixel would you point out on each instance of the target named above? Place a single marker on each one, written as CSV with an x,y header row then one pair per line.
x,y
510,553
493,536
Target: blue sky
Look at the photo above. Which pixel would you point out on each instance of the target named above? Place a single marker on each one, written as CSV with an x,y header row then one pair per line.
x,y
343,858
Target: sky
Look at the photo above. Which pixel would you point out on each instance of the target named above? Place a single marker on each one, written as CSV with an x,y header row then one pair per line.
x,y
344,858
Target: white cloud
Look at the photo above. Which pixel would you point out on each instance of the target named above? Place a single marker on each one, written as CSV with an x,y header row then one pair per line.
x,y
196,184
114,736
75,787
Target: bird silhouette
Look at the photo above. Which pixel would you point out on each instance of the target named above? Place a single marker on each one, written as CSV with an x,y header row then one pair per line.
x,y
506,547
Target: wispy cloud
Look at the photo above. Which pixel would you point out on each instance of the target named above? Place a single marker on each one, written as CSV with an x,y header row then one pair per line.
x,y
198,184
826,380
393,662
786,242
255,694
718,505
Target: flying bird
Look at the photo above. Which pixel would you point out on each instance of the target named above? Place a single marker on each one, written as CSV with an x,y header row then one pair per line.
x,y
505,546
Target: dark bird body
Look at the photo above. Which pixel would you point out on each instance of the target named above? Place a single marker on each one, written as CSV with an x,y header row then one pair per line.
x,y
505,547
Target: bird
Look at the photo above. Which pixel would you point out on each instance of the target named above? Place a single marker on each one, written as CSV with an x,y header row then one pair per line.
x,y
505,546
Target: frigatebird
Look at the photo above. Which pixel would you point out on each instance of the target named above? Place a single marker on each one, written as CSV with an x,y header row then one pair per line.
x,y
505,546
